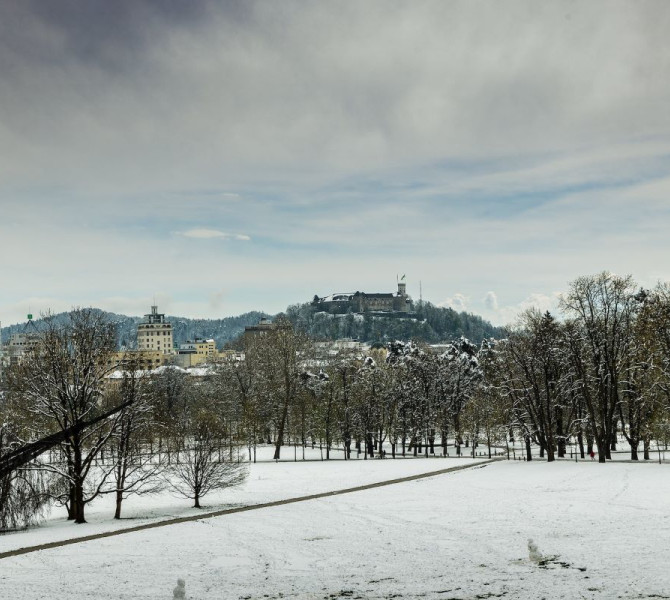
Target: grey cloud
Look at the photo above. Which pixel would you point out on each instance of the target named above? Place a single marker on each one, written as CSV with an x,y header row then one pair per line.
x,y
391,130
155,92
97,32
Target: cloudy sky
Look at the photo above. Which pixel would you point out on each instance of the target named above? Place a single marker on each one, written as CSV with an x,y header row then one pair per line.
x,y
229,156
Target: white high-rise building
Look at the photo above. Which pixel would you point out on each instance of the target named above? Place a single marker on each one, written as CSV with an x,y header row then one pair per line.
x,y
155,333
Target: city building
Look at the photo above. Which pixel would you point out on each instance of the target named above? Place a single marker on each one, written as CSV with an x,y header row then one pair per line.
x,y
155,333
138,359
18,345
195,352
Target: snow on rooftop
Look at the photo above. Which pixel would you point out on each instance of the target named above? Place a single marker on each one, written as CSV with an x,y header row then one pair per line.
x,y
193,371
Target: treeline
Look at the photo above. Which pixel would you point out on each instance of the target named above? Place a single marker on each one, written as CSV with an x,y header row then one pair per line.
x,y
429,324
588,378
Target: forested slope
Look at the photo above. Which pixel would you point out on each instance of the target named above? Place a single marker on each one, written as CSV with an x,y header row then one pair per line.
x,y
429,323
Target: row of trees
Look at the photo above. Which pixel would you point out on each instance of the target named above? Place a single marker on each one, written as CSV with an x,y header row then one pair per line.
x,y
402,398
599,374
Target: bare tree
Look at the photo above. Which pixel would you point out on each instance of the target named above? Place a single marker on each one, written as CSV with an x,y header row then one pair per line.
x,y
24,492
278,355
602,307
206,463
137,466
238,380
535,377
61,382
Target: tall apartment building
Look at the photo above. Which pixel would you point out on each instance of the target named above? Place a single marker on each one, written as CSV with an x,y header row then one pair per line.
x,y
155,333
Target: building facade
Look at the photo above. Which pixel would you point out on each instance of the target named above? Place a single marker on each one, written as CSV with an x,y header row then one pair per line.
x,y
196,352
154,334
137,359
18,345
363,302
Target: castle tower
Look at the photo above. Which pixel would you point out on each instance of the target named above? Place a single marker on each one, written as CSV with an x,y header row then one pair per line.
x,y
402,288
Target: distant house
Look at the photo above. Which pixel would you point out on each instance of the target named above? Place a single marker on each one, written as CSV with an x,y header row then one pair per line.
x,y
363,302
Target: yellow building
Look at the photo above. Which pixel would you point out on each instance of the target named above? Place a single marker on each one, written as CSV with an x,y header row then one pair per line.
x,y
196,352
139,359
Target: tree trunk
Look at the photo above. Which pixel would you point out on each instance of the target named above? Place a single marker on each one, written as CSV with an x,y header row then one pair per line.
x,y
551,457
370,446
119,500
79,502
561,447
603,448
280,431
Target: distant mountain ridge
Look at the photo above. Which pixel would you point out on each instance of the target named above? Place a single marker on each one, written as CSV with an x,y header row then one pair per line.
x,y
429,323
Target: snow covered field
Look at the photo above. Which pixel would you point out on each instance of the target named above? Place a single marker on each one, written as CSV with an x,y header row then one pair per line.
x,y
460,535
267,482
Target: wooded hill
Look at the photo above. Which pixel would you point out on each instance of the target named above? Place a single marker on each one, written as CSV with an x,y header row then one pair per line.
x,y
429,323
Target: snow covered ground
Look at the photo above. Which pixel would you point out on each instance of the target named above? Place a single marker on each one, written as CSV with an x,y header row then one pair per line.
x,y
461,535
268,481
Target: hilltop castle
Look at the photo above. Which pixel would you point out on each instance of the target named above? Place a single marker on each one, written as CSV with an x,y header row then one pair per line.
x,y
362,302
